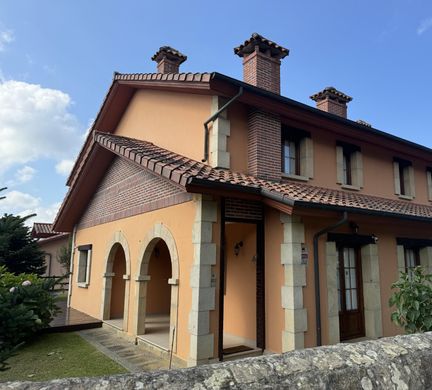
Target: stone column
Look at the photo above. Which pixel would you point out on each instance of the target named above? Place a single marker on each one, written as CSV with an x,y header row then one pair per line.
x,y
294,280
371,291
332,293
106,295
203,293
141,298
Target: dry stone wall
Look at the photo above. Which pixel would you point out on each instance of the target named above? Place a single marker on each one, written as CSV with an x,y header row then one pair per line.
x,y
402,362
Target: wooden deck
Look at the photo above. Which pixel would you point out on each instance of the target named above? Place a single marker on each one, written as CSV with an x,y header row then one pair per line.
x,y
70,320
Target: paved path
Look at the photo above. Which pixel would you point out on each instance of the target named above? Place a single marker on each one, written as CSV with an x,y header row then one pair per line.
x,y
133,357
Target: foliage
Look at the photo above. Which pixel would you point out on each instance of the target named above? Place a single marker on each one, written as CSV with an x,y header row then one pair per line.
x,y
64,255
27,305
413,301
19,251
59,355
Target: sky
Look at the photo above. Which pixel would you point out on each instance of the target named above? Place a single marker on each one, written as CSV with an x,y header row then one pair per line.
x,y
57,59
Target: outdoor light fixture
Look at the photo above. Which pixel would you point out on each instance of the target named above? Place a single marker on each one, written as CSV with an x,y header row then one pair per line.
x,y
375,238
354,227
237,247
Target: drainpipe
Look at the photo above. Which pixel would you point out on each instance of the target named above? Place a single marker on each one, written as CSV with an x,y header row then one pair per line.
x,y
213,118
316,273
71,266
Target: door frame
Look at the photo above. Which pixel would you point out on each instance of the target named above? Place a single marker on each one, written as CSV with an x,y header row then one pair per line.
x,y
260,277
360,292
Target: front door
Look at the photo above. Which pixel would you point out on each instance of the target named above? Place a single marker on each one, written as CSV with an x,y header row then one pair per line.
x,y
351,315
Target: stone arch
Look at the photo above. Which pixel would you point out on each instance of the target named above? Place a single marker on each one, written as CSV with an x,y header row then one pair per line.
x,y
158,232
117,241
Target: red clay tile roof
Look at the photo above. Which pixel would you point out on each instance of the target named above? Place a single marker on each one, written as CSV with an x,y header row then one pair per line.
x,y
43,230
331,92
187,77
263,43
168,51
185,171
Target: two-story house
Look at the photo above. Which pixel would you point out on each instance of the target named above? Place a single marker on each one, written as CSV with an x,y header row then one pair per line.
x,y
212,216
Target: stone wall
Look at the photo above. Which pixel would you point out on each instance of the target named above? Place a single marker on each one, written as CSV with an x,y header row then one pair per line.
x,y
402,362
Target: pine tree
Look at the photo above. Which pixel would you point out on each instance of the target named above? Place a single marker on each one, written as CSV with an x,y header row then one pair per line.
x,y
19,251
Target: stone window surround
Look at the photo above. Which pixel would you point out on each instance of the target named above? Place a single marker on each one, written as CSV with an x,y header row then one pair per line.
x,y
158,232
220,130
84,251
356,166
118,238
425,254
408,177
305,155
371,291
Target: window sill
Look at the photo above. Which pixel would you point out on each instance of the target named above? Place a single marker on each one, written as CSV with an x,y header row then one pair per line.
x,y
83,285
350,187
406,197
294,177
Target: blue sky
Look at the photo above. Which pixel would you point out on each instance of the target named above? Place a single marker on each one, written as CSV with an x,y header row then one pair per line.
x,y
57,59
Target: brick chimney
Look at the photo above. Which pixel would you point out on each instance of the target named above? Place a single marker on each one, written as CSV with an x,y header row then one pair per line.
x,y
261,68
168,60
333,101
261,62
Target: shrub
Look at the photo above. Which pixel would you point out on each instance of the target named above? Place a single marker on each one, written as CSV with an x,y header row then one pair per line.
x,y
413,301
27,304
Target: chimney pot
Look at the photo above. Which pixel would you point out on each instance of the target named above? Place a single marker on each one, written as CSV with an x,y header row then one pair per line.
x,y
168,60
333,101
261,62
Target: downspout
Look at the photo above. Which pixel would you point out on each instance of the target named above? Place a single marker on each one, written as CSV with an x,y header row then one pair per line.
x,y
71,266
213,118
317,275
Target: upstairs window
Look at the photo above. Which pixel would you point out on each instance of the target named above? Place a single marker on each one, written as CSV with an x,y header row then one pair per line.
x,y
429,182
349,166
403,178
412,258
84,259
297,154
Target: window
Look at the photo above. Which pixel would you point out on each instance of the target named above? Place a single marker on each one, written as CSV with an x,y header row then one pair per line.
x,y
349,166
429,182
84,258
297,154
403,178
412,258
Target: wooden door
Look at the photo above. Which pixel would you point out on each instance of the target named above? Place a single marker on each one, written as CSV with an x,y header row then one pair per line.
x,y
351,313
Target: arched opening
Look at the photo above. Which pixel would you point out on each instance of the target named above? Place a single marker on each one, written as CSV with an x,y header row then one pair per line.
x,y
115,304
158,303
157,290
118,286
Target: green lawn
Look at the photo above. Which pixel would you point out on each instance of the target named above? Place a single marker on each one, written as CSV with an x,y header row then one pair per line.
x,y
58,355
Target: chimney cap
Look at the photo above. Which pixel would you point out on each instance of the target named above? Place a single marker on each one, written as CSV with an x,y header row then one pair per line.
x,y
333,94
169,53
263,44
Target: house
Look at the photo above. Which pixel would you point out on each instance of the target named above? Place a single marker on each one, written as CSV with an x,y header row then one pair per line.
x,y
213,216
51,243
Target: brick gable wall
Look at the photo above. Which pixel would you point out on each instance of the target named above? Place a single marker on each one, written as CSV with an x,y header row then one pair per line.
x,y
128,190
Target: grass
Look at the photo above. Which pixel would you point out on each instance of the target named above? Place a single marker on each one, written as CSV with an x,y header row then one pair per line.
x,y
58,355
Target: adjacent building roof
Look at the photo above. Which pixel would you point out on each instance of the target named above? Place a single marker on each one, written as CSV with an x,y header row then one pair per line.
x,y
187,172
43,230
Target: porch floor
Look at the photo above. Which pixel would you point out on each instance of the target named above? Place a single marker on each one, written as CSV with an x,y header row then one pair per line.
x,y
115,323
69,320
157,330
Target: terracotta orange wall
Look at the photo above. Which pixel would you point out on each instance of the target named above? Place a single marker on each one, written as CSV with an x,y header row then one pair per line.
x,y
377,166
158,289
386,230
52,248
118,285
240,297
237,141
179,220
171,120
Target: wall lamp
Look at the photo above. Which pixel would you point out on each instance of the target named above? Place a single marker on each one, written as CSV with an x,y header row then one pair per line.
x,y
237,247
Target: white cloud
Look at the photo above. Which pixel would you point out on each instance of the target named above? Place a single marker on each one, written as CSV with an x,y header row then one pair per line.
x,y
6,37
35,122
64,167
25,174
424,25
21,203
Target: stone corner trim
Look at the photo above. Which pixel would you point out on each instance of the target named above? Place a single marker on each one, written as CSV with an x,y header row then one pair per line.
x,y
401,362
